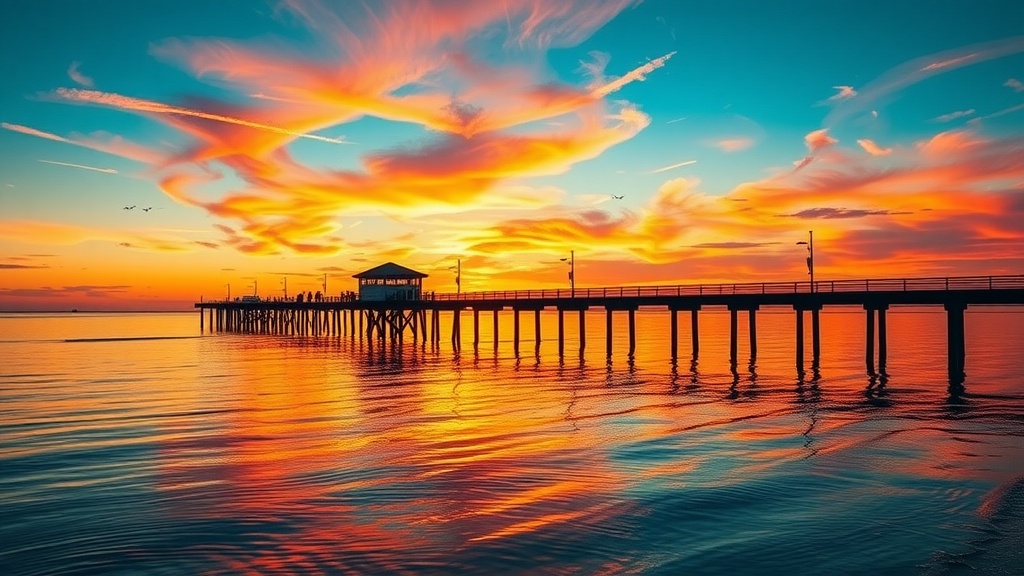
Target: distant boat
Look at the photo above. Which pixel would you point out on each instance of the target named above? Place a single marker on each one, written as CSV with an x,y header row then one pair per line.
x,y
73,310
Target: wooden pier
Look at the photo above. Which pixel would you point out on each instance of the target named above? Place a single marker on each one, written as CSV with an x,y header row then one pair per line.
x,y
397,319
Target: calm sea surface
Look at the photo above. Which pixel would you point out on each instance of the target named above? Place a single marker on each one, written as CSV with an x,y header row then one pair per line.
x,y
134,444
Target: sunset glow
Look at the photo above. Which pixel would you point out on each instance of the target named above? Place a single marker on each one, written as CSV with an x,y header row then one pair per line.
x,y
183,155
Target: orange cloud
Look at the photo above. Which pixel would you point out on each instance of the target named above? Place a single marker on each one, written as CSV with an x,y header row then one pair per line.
x,y
870,147
55,233
734,144
950,204
389,63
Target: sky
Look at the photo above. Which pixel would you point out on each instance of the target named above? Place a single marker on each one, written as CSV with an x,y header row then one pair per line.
x,y
162,152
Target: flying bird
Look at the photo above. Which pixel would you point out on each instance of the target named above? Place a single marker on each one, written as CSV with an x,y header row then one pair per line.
x,y
617,197
147,209
132,207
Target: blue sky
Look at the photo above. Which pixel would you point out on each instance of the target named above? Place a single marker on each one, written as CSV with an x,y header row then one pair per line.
x,y
425,132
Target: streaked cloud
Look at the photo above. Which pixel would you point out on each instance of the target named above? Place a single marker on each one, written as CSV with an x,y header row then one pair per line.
x,y
5,266
33,132
673,166
834,213
81,79
843,93
139,105
106,143
57,234
954,115
895,79
733,144
997,114
83,167
872,148
934,208
637,74
1014,84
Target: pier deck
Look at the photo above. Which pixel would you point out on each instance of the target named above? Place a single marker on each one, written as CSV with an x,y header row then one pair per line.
x,y
392,319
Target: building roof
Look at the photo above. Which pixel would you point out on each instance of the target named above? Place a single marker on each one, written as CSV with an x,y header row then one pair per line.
x,y
390,270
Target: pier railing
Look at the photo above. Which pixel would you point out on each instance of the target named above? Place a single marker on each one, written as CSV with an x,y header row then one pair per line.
x,y
820,286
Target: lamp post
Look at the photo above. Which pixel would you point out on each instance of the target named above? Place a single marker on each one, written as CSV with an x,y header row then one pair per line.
x,y
810,255
285,287
458,275
572,272
229,292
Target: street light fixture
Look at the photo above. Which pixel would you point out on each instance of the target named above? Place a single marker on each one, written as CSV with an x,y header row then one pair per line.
x,y
810,255
458,275
229,292
285,287
572,272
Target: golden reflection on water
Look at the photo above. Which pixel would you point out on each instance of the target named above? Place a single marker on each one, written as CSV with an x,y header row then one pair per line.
x,y
341,454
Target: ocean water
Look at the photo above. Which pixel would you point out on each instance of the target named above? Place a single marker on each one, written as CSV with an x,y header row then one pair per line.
x,y
135,444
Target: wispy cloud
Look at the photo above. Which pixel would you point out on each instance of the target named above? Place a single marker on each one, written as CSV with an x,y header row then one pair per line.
x,y
870,147
33,132
954,115
94,169
490,120
817,142
4,266
674,120
1014,84
55,233
908,73
673,166
139,105
998,113
733,144
835,213
114,145
843,93
637,74
81,79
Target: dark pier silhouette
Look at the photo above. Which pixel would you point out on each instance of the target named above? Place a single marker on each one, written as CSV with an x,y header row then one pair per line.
x,y
398,318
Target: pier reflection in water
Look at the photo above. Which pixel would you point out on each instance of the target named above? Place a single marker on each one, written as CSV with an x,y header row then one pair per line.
x,y
249,453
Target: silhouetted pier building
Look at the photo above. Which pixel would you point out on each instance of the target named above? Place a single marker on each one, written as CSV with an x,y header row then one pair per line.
x,y
390,281
391,304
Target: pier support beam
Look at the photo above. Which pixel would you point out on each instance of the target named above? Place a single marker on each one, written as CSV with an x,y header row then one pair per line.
x,y
536,330
583,331
632,332
476,330
608,332
733,336
800,341
495,329
956,350
561,333
694,333
815,338
457,330
734,331
752,329
515,331
869,348
674,334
